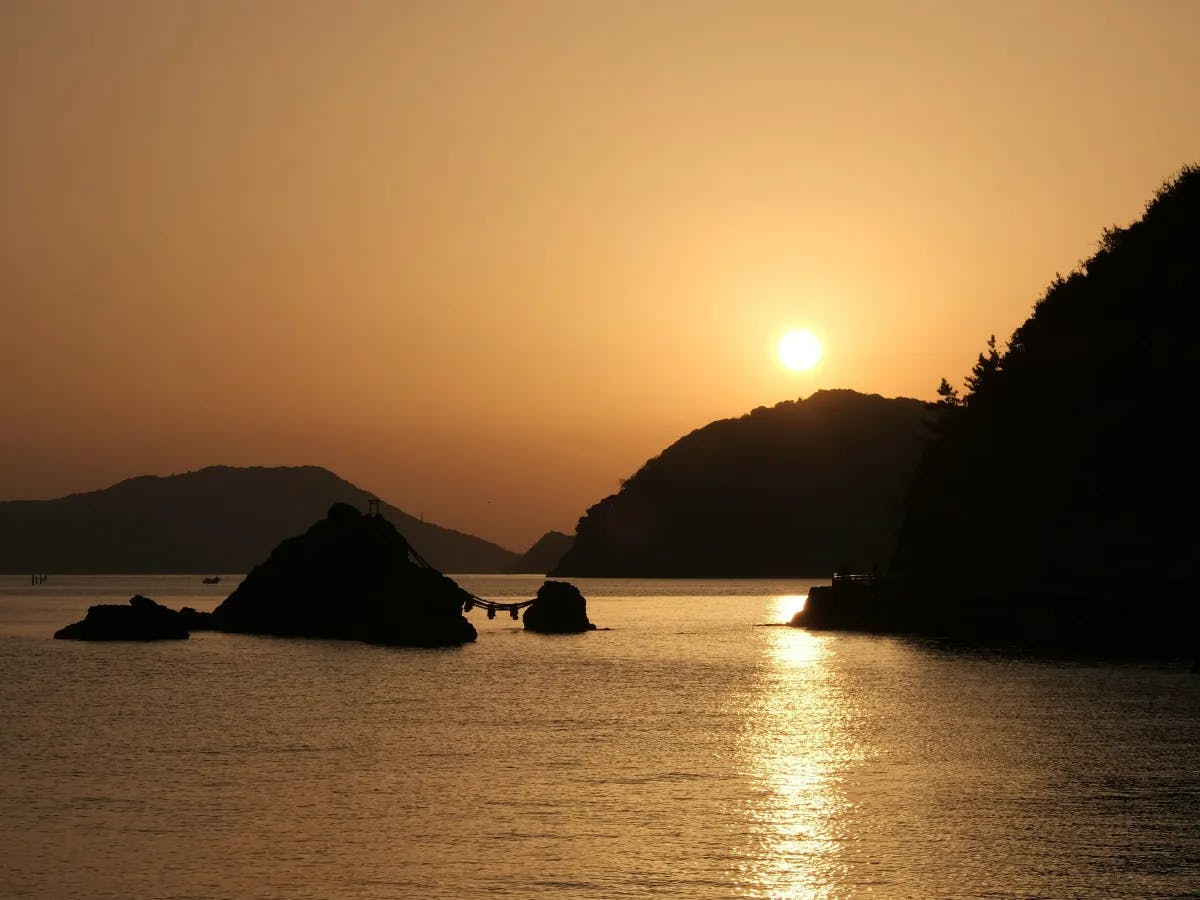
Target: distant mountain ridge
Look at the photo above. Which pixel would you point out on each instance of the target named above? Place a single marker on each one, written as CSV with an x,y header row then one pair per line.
x,y
216,519
795,489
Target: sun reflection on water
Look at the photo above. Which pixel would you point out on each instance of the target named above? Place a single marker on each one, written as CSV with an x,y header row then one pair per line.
x,y
797,747
788,605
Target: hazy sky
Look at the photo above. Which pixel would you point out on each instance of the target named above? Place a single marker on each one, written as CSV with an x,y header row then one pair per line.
x,y
486,258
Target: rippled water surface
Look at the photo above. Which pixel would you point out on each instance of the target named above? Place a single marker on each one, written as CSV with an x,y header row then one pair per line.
x,y
684,753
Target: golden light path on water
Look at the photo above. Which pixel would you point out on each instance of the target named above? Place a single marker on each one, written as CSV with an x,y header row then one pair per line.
x,y
683,754
790,604
798,746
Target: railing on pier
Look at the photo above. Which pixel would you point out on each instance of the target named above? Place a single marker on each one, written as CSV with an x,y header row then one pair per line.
x,y
839,578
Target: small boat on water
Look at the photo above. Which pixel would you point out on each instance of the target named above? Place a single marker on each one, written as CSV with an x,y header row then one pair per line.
x,y
212,579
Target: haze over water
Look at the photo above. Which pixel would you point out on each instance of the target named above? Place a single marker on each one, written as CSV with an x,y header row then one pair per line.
x,y
684,753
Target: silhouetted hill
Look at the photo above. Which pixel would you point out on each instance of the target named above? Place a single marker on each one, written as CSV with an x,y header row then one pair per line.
x,y
1069,459
544,554
795,489
219,519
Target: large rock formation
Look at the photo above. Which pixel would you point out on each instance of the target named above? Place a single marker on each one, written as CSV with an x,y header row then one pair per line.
x,y
351,577
141,620
558,608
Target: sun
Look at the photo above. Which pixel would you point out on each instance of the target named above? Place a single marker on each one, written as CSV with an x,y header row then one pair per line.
x,y
799,350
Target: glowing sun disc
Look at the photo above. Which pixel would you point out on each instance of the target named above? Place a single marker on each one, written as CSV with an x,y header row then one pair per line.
x,y
799,350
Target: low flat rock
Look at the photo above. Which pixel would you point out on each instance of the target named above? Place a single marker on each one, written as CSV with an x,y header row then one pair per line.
x,y
141,620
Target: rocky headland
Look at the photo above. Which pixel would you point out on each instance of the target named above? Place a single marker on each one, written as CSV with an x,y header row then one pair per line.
x,y
1057,500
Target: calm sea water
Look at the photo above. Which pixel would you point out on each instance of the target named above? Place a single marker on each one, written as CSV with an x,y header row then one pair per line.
x,y
684,753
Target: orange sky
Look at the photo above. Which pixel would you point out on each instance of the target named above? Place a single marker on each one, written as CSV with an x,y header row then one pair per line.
x,y
486,258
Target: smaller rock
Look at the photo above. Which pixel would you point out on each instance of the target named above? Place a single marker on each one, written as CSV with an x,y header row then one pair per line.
x,y
141,620
558,608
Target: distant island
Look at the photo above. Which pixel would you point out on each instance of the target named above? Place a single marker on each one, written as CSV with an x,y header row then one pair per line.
x,y
544,555
217,519
1058,500
800,488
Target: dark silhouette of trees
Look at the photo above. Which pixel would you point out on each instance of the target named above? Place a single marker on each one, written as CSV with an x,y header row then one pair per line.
x,y
1066,460
948,395
983,374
